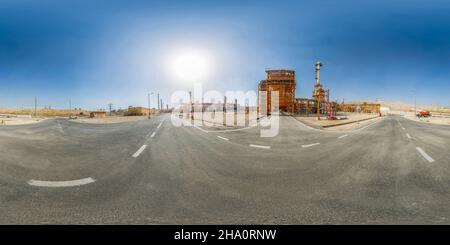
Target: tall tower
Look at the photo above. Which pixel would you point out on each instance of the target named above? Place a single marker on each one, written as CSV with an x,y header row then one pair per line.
x,y
318,92
318,65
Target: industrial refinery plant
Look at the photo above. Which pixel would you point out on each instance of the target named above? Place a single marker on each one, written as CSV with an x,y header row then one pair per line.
x,y
233,113
284,83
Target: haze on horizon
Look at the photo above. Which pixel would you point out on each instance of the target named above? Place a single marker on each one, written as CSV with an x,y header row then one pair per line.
x,y
100,52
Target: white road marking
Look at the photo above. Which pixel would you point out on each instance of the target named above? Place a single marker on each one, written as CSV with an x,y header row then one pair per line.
x,y
199,128
260,146
342,136
377,121
400,125
306,126
424,154
409,136
220,137
304,146
138,152
69,183
159,125
157,128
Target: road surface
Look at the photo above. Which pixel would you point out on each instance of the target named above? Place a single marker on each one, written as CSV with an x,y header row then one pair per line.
x,y
394,171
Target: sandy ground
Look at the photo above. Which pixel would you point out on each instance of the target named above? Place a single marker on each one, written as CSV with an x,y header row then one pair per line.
x,y
18,121
345,118
433,119
109,120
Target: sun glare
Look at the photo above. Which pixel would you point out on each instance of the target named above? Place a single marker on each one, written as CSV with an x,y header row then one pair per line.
x,y
190,66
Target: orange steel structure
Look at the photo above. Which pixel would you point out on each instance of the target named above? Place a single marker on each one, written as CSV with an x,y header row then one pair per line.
x,y
282,81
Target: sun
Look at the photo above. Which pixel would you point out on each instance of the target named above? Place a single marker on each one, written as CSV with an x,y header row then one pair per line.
x,y
190,65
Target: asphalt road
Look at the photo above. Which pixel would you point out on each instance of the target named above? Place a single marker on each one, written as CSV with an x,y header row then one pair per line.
x,y
394,171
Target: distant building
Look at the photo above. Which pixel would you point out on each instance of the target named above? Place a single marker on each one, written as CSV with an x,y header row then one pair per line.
x,y
362,107
140,111
137,111
97,114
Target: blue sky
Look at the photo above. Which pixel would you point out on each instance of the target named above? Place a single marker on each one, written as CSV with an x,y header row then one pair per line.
x,y
100,52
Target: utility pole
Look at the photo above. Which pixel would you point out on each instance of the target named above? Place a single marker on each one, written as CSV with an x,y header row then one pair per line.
x,y
70,107
415,102
247,113
110,108
161,107
148,112
235,112
35,106
203,107
158,101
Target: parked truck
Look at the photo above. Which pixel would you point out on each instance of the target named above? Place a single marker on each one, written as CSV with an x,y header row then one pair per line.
x,y
423,114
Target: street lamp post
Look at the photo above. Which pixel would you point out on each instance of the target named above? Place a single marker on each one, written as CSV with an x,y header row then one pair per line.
x,y
149,106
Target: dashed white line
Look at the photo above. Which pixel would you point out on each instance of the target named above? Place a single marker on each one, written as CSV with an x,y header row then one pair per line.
x,y
157,128
304,146
159,125
220,137
138,152
424,154
409,136
68,183
342,136
403,128
260,146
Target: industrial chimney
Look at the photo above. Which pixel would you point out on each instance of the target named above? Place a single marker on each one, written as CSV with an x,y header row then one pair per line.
x,y
318,65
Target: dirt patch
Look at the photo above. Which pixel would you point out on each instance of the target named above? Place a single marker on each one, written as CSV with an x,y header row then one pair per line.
x,y
4,121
